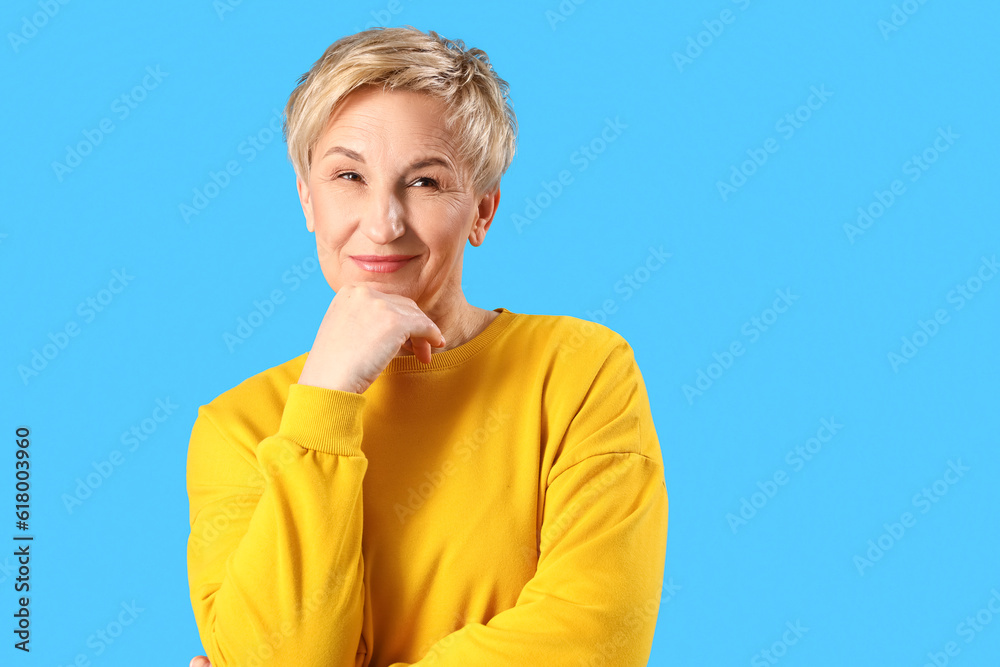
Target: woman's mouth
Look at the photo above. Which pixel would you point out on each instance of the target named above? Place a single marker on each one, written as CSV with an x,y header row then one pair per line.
x,y
381,263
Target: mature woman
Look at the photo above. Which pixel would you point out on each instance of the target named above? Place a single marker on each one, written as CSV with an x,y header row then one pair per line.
x,y
432,483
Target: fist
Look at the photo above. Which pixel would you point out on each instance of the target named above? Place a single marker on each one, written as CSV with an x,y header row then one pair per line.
x,y
362,331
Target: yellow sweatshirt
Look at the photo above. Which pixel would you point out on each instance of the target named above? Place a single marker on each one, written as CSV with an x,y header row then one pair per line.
x,y
505,505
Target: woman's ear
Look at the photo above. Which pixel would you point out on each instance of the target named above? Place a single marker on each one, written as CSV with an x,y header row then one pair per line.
x,y
306,202
486,209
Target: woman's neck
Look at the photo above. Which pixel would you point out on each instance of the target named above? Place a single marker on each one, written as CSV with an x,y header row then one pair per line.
x,y
459,326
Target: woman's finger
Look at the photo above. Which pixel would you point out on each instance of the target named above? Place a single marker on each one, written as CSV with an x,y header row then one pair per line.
x,y
422,350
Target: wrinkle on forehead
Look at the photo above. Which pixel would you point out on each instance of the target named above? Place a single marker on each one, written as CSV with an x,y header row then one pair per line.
x,y
365,131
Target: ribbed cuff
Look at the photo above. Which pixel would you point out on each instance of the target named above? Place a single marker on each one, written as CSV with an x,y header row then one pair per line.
x,y
326,420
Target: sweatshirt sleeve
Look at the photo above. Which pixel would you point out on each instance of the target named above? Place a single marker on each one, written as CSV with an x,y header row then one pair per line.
x,y
274,556
595,595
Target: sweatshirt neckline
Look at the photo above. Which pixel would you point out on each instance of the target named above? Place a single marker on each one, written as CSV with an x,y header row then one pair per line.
x,y
456,355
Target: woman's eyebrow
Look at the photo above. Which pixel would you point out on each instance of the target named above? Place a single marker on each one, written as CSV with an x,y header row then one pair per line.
x,y
429,161
354,155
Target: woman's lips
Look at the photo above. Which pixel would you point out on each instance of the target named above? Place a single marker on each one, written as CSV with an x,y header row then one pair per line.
x,y
381,263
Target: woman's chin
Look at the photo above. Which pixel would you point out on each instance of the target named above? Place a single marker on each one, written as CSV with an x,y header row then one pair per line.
x,y
386,286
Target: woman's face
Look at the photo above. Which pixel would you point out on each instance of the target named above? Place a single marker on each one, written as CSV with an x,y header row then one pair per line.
x,y
385,179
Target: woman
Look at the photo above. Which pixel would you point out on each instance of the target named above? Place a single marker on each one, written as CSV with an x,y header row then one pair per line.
x,y
432,483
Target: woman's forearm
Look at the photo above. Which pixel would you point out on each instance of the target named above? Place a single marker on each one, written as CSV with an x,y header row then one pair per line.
x,y
275,565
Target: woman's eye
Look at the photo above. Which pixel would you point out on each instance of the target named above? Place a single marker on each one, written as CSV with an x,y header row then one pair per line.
x,y
423,181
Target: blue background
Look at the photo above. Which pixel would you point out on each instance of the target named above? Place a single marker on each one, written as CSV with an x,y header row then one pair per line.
x,y
730,586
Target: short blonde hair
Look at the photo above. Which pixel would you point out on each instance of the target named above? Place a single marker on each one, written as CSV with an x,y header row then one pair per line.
x,y
479,108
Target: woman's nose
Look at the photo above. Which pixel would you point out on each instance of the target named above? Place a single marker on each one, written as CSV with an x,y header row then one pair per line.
x,y
384,219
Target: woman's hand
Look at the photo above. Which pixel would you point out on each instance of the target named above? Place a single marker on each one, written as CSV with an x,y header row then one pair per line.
x,y
362,331
200,661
